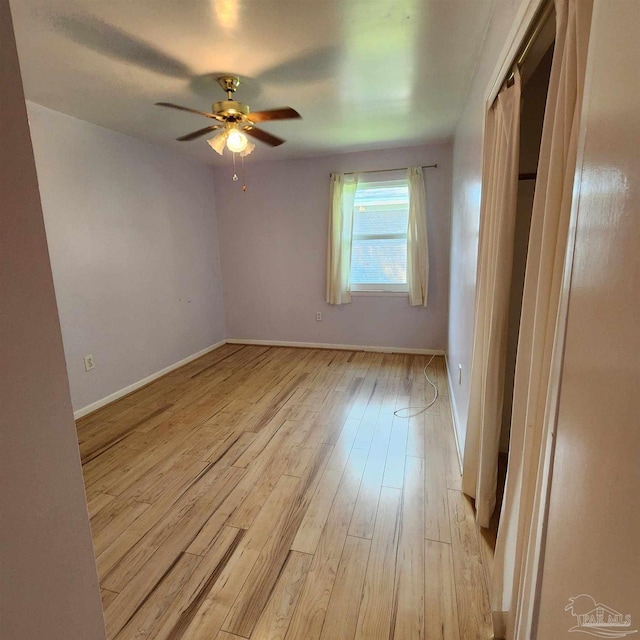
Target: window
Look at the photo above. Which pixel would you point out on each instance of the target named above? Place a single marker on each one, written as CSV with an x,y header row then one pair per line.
x,y
377,236
379,240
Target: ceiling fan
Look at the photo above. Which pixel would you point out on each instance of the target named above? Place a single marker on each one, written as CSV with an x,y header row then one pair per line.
x,y
235,120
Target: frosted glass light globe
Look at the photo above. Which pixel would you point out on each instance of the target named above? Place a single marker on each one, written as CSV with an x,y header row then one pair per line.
x,y
236,141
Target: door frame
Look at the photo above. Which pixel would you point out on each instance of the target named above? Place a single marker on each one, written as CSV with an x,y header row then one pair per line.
x,y
526,598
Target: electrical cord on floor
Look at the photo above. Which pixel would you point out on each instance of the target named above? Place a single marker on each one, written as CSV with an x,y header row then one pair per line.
x,y
422,409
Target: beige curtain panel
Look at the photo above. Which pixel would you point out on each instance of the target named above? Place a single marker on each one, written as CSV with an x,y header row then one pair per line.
x,y
495,258
534,401
342,194
417,244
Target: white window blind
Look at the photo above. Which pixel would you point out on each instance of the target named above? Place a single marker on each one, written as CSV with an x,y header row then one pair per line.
x,y
379,241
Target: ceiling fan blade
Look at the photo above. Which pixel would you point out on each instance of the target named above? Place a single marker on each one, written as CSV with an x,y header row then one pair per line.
x,y
200,113
263,136
283,113
200,132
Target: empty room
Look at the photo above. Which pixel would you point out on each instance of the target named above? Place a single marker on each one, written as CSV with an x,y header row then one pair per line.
x,y
319,319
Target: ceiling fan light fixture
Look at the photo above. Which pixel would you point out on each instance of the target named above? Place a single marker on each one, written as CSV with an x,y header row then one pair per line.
x,y
234,120
236,141
247,150
218,143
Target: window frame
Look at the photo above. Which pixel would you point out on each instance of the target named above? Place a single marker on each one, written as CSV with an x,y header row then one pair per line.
x,y
379,288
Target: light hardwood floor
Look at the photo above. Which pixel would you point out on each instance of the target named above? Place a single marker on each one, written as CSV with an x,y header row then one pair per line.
x,y
270,493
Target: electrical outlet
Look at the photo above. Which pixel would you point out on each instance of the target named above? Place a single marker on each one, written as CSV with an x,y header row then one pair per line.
x,y
89,363
319,316
459,374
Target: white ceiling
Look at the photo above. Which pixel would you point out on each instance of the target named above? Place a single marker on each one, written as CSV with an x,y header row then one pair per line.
x,y
363,74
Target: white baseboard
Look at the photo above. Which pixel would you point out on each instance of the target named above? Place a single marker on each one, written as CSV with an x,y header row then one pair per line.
x,y
454,411
98,404
343,347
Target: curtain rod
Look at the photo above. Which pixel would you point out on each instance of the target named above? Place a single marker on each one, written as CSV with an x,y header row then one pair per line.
x,y
544,12
424,166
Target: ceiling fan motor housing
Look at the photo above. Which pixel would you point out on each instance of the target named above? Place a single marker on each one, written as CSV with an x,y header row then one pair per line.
x,y
231,110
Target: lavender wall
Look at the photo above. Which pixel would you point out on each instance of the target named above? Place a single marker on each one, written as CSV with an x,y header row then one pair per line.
x,y
465,210
48,581
133,242
273,242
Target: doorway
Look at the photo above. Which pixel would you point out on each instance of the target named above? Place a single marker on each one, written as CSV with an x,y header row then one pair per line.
x,y
534,94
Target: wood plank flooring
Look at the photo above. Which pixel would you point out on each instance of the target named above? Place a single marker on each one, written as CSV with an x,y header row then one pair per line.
x,y
271,493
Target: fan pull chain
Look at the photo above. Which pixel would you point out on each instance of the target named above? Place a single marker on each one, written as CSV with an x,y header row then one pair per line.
x,y
235,175
244,178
